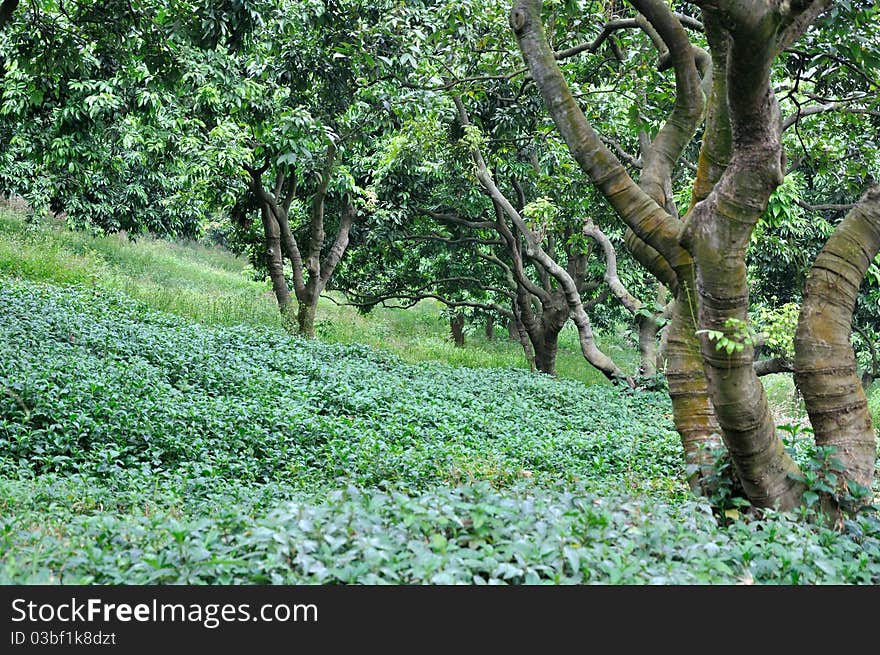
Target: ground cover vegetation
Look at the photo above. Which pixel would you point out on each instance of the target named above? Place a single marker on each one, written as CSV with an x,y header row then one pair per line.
x,y
566,291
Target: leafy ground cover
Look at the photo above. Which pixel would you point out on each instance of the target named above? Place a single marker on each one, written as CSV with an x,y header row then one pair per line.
x,y
137,446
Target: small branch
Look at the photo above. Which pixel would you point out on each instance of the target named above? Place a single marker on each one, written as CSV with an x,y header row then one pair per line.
x,y
453,242
812,110
454,218
776,365
826,207
635,162
413,299
630,302
607,30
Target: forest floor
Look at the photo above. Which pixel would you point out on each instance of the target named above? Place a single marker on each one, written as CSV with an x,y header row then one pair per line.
x,y
158,425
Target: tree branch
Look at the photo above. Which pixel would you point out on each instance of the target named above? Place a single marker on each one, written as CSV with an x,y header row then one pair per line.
x,y
337,250
646,218
812,110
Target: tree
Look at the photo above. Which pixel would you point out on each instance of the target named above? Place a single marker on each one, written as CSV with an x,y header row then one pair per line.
x,y
299,110
91,129
466,251
490,114
741,163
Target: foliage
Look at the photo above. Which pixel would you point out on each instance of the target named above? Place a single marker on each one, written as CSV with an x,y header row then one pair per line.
x,y
778,324
739,335
211,286
140,448
471,534
96,383
159,450
90,128
201,283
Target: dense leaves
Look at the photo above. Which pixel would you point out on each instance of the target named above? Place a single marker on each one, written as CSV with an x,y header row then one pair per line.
x,y
97,384
138,447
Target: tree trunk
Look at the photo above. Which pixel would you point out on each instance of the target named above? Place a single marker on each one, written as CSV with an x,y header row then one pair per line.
x,y
523,337
719,234
825,364
306,316
648,328
536,252
545,352
456,328
692,410
513,330
490,327
741,163
274,261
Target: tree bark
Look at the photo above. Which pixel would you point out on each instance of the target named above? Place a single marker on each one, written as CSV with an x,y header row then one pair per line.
x,y
456,329
717,233
545,352
490,327
692,411
306,316
825,364
274,261
648,328
652,232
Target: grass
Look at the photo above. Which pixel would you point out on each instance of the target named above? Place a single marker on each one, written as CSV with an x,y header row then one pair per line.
x,y
212,286
422,334
197,282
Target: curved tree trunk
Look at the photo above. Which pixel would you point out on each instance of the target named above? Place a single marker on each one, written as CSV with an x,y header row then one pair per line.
x,y
536,252
652,232
741,163
825,365
717,234
692,411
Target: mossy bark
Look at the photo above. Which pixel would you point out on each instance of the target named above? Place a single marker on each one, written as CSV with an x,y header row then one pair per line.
x,y
825,365
717,233
306,317
692,411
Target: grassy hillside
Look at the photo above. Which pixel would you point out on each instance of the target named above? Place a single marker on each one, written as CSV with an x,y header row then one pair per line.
x,y
212,286
143,446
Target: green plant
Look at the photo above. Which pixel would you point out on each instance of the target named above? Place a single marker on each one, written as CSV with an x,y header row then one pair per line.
x,y
139,447
778,325
738,335
827,490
